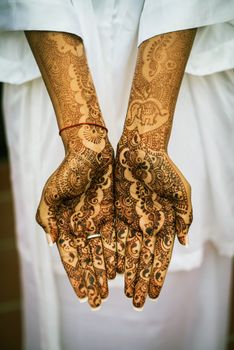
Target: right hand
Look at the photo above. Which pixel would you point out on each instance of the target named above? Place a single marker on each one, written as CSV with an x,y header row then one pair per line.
x,y
153,203
77,201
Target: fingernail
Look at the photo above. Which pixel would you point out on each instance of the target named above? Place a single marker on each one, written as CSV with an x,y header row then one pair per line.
x,y
49,239
129,292
186,241
83,300
96,308
154,300
138,309
121,273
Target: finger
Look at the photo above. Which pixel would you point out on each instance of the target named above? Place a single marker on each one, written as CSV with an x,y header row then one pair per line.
x,y
86,263
144,271
184,215
99,265
182,224
46,218
109,248
162,257
77,279
133,247
93,293
121,232
69,256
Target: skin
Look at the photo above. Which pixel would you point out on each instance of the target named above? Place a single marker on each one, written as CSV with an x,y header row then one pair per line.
x,y
77,199
153,198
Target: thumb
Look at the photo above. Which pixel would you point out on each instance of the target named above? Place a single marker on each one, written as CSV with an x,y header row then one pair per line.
x,y
182,227
46,218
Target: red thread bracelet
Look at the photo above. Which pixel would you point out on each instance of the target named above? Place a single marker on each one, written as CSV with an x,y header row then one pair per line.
x,y
74,125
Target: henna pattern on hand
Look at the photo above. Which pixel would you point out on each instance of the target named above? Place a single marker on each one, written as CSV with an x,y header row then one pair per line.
x,y
153,199
77,199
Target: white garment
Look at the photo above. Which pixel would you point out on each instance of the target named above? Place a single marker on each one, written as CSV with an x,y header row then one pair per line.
x,y
201,145
53,318
104,24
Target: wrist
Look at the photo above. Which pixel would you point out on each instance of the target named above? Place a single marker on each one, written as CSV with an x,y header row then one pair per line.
x,y
84,135
156,140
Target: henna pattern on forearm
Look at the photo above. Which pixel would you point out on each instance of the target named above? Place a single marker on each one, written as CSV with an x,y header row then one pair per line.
x,y
77,199
159,70
62,60
152,197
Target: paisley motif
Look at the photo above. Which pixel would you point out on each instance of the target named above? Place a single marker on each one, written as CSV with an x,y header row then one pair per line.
x,y
78,197
153,199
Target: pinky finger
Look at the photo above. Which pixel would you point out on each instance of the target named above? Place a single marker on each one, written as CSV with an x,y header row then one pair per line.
x,y
93,293
162,257
77,280
99,265
71,264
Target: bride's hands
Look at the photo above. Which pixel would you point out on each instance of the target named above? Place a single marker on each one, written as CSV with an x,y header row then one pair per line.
x,y
76,208
153,204
77,202
153,199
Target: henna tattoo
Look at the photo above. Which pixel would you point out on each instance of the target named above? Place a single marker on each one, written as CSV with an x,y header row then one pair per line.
x,y
77,199
159,70
152,196
62,61
133,247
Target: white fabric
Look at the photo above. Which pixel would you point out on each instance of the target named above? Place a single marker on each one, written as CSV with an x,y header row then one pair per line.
x,y
53,318
27,140
201,145
108,27
191,314
170,15
213,49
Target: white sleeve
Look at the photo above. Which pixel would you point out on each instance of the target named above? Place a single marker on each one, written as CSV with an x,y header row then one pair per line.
x,y
165,16
56,15
213,49
16,60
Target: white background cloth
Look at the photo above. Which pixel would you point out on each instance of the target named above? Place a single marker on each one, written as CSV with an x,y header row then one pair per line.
x,y
104,24
201,145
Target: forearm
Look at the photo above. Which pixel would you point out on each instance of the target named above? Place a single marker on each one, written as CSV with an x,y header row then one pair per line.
x,y
159,71
62,61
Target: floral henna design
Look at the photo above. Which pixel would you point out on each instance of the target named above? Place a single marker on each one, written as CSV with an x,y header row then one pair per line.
x,y
133,247
153,199
77,199
62,60
88,262
155,258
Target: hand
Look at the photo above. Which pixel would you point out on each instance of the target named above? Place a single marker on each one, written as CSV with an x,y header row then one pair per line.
x,y
152,197
77,201
153,203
